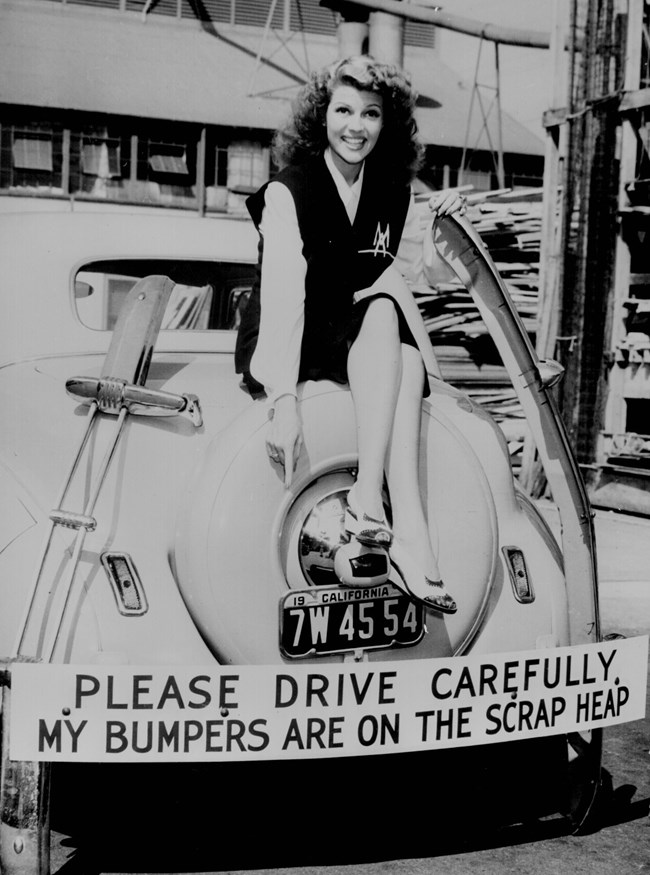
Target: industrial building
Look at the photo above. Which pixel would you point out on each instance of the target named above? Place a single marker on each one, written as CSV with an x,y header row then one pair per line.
x,y
172,103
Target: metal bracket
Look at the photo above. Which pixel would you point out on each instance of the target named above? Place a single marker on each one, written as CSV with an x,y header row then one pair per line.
x,y
111,395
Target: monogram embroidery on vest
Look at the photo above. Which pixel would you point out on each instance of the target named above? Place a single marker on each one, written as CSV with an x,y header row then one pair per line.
x,y
381,242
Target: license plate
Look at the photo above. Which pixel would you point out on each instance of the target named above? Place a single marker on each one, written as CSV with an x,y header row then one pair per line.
x,y
335,619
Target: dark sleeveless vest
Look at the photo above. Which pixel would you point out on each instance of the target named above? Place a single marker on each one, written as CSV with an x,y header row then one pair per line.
x,y
341,259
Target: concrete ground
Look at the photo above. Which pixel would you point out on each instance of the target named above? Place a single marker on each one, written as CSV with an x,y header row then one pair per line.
x,y
623,549
623,552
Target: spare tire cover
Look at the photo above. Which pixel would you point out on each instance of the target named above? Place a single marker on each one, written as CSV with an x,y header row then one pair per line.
x,y
228,556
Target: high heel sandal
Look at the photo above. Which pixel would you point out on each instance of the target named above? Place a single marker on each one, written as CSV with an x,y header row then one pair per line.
x,y
366,529
416,585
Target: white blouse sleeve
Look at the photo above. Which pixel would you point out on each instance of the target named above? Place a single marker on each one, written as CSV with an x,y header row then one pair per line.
x,y
276,360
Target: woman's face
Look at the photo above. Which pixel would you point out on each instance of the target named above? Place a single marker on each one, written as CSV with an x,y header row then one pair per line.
x,y
354,121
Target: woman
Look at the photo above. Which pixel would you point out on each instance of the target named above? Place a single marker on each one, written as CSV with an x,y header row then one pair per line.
x,y
337,231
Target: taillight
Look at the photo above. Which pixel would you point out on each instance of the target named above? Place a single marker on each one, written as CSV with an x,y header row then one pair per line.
x,y
125,583
519,578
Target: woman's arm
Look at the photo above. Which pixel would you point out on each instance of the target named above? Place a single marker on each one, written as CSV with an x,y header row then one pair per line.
x,y
276,360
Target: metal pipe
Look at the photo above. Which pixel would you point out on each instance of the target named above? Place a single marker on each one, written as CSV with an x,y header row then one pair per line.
x,y
352,38
25,620
463,160
81,533
387,38
533,39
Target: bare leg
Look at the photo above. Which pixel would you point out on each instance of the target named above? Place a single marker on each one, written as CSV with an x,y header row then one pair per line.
x,y
386,379
375,372
409,520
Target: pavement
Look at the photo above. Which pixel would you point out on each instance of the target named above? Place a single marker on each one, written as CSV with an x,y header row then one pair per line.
x,y
623,555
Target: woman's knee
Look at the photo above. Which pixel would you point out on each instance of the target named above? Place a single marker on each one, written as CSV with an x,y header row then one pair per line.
x,y
381,314
413,372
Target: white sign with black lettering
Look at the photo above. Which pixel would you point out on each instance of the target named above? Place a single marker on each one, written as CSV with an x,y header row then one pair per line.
x,y
226,713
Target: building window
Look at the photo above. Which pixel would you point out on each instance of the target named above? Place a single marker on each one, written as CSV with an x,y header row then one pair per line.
x,y
32,153
168,160
31,158
91,156
248,169
101,158
98,158
168,169
248,166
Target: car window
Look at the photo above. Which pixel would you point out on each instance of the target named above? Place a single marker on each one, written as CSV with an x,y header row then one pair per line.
x,y
206,294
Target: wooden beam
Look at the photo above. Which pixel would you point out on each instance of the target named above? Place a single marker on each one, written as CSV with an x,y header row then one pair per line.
x,y
614,408
549,305
630,101
554,117
637,99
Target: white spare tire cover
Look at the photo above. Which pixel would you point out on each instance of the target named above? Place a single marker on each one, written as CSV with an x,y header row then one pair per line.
x,y
228,555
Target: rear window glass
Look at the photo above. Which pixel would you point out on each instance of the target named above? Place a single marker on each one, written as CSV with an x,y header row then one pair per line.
x,y
207,294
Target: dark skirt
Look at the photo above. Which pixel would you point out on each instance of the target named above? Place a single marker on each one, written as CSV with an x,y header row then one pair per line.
x,y
325,347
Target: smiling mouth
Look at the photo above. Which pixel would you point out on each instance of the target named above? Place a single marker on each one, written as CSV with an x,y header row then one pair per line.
x,y
354,142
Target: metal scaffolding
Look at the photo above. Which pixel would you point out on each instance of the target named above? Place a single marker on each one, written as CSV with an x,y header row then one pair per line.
x,y
487,97
278,40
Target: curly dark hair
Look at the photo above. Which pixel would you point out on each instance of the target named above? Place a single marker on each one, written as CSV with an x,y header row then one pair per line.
x,y
398,150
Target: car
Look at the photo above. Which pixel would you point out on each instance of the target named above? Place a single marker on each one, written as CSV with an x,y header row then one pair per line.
x,y
144,525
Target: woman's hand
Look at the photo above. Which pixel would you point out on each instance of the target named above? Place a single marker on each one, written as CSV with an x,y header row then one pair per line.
x,y
284,437
446,203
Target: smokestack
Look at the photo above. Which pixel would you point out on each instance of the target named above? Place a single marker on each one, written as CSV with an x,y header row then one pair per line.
x,y
352,38
387,38
383,38
352,30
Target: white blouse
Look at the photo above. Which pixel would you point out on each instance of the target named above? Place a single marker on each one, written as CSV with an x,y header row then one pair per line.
x,y
276,360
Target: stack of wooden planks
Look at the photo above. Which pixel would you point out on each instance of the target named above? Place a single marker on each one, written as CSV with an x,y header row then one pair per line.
x,y
510,224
